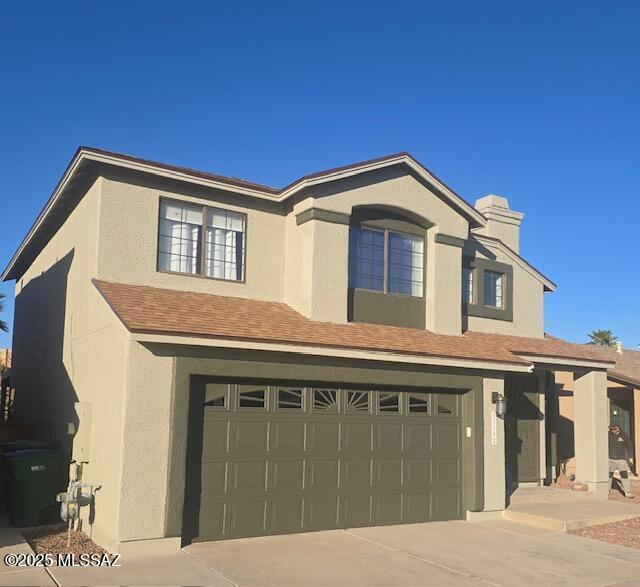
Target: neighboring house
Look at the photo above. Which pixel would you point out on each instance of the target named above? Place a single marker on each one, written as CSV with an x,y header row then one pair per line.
x,y
623,407
5,359
241,360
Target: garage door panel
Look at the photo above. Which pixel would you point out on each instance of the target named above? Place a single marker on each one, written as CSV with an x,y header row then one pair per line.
x,y
418,435
417,506
321,512
387,472
447,505
389,436
355,510
447,470
286,475
447,437
355,473
387,508
287,436
211,521
356,436
322,474
417,470
246,518
248,476
214,437
323,436
250,436
285,515
214,477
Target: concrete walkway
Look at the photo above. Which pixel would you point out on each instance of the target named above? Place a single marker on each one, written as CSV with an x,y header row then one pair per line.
x,y
449,553
565,510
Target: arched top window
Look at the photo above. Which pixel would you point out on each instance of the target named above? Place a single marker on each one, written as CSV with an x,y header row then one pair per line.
x,y
386,253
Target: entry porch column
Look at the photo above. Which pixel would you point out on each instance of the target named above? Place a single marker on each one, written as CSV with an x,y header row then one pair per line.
x,y
590,431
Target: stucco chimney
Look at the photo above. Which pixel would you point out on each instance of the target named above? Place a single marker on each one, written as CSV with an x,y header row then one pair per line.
x,y
619,347
502,222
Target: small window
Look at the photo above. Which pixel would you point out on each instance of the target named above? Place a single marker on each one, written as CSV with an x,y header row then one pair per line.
x,y
252,397
467,285
418,403
493,282
388,402
216,395
289,398
325,400
357,401
447,404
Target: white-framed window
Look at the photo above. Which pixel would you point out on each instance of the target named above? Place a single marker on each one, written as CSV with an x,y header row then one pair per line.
x,y
180,240
493,284
386,261
467,285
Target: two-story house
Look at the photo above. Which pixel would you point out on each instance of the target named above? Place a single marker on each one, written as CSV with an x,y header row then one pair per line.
x,y
228,359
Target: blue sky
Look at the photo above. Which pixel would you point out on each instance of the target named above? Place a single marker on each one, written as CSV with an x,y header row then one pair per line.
x,y
537,101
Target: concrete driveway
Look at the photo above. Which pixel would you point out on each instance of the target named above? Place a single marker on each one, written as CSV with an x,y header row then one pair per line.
x,y
442,553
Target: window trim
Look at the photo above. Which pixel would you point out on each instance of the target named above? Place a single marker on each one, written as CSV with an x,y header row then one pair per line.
x,y
203,244
477,308
385,268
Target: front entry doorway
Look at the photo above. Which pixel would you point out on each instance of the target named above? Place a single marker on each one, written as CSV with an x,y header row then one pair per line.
x,y
522,431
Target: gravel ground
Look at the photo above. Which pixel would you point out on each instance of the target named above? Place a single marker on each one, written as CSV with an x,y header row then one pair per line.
x,y
625,533
53,540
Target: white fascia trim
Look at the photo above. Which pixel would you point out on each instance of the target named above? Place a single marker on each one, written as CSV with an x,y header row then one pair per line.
x,y
542,360
490,242
329,352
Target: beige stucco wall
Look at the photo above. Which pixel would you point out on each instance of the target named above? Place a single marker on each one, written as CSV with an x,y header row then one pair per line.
x,y
316,278
129,237
69,347
528,301
494,449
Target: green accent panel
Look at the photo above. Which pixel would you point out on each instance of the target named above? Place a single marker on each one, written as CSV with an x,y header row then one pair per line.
x,y
391,309
324,215
244,446
478,308
522,429
445,239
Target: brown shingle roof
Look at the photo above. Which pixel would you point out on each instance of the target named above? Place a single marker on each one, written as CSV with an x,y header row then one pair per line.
x,y
627,366
167,311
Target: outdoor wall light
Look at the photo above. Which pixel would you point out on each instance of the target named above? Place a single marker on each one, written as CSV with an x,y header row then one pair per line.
x,y
501,403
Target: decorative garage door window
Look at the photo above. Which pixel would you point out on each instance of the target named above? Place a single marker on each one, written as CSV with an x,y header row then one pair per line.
x,y
276,459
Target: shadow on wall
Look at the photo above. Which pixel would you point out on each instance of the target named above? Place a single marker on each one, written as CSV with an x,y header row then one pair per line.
x,y
44,391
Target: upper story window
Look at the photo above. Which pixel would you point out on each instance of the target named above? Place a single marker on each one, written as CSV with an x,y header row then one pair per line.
x,y
386,261
184,247
493,289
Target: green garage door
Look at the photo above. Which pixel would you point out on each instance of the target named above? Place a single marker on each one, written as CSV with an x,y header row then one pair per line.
x,y
275,460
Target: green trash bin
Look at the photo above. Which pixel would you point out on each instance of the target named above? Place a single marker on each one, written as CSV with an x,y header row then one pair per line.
x,y
34,477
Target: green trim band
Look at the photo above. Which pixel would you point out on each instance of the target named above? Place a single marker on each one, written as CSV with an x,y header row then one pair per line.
x,y
323,215
445,239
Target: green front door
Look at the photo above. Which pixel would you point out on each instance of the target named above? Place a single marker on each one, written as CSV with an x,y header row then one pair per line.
x,y
522,430
279,459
